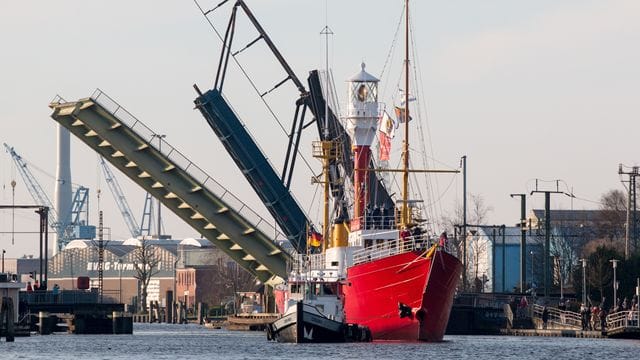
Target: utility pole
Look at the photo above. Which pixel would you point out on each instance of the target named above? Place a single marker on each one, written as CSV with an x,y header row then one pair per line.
x,y
631,204
504,259
464,222
547,232
523,240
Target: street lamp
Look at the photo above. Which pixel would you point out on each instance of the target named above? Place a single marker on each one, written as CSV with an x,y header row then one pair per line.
x,y
584,281
3,252
175,295
614,263
532,277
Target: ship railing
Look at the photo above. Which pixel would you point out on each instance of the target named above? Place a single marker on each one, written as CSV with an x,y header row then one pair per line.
x,y
389,248
622,319
372,222
302,263
185,164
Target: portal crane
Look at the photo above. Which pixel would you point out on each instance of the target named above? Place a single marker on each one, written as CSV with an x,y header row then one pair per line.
x,y
77,228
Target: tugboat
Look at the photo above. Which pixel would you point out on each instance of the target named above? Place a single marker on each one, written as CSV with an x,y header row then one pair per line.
x,y
315,314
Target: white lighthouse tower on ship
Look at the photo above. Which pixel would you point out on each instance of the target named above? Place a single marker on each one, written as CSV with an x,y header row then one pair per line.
x,y
362,123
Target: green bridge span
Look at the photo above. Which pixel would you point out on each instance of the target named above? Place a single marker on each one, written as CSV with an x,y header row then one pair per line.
x,y
180,185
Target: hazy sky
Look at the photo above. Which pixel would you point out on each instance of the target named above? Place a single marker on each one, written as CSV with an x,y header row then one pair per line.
x,y
526,89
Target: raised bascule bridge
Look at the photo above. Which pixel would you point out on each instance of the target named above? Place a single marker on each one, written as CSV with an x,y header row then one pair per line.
x,y
178,183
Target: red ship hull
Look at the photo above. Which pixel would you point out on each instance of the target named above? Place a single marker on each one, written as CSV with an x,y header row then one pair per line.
x,y
375,289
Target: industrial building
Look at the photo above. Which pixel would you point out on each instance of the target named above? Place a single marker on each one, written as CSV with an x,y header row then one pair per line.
x,y
188,267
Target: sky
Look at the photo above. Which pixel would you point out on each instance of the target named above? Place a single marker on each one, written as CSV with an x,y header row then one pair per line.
x,y
526,90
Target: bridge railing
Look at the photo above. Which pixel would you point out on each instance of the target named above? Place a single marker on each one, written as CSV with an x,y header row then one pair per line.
x,y
559,318
68,297
185,164
622,319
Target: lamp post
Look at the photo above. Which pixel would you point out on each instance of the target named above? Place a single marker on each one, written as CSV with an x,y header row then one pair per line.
x,y
614,263
532,277
523,240
175,295
584,281
3,252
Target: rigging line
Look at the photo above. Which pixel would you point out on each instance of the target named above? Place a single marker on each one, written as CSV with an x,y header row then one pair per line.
x,y
419,90
44,172
313,199
253,85
453,178
393,44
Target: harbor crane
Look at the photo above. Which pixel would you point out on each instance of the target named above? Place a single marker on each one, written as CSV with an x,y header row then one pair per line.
x,y
135,229
77,227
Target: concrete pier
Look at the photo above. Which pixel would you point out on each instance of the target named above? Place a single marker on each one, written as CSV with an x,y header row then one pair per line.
x,y
554,333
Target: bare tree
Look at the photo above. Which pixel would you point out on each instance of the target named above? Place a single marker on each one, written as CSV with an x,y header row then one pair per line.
x,y
477,214
477,250
231,279
600,275
613,208
145,262
479,210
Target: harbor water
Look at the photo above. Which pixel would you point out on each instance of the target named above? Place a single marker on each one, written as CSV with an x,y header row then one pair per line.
x,y
162,341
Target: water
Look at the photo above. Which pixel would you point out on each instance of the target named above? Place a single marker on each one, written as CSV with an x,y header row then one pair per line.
x,y
162,341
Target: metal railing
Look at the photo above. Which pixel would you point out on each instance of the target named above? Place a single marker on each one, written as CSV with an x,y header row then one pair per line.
x,y
68,297
484,300
171,153
559,318
389,248
382,221
622,319
301,263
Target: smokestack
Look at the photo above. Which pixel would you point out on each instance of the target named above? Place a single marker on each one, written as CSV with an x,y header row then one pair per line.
x,y
63,184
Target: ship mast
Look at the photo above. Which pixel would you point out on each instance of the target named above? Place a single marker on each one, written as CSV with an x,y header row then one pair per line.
x,y
404,220
327,151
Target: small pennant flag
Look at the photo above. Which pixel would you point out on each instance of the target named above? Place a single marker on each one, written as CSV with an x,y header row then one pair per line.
x,y
401,113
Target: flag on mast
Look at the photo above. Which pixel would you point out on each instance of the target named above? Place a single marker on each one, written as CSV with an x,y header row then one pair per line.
x,y
400,110
401,113
385,146
387,125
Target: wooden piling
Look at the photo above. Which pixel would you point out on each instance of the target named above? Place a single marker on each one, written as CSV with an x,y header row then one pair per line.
x,y
6,319
122,323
